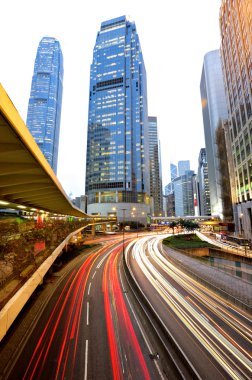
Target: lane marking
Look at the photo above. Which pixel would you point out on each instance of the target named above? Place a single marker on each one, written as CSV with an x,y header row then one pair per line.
x,y
103,259
89,287
145,338
86,360
87,313
93,275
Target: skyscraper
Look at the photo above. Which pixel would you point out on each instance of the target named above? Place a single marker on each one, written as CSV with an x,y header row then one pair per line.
x,y
184,194
173,171
183,166
236,54
203,184
156,192
117,161
214,111
44,109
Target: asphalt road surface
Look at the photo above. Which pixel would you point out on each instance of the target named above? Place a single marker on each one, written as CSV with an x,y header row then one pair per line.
x,y
214,337
85,327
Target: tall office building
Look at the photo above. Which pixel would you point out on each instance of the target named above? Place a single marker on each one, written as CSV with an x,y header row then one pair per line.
x,y
156,192
214,111
203,184
236,54
44,109
183,167
173,171
184,193
117,161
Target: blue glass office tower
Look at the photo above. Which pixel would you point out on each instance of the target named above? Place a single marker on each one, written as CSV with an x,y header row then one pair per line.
x,y
156,192
117,162
44,110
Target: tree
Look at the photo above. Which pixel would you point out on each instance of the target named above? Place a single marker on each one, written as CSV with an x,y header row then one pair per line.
x,y
190,225
173,224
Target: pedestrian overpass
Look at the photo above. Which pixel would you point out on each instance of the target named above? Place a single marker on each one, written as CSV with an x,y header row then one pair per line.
x,y
197,218
27,182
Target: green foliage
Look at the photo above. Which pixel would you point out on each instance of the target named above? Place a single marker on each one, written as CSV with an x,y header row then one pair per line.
x,y
190,225
186,241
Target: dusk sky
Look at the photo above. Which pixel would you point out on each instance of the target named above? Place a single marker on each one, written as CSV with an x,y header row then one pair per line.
x,y
174,36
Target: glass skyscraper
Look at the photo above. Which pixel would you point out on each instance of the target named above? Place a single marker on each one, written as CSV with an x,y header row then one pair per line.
x,y
203,184
44,110
184,194
173,171
236,54
214,112
156,192
117,162
183,167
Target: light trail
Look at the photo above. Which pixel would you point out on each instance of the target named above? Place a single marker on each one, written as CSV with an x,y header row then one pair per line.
x,y
63,326
226,351
122,337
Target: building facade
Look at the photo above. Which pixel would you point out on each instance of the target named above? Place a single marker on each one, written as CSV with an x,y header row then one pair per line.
x,y
203,184
183,166
214,111
117,161
184,194
174,171
156,193
236,54
44,109
80,202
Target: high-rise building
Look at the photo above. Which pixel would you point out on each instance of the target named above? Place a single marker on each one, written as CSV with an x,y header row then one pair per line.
x,y
183,167
169,204
80,202
184,194
44,109
236,54
169,189
214,111
155,168
117,161
173,171
203,184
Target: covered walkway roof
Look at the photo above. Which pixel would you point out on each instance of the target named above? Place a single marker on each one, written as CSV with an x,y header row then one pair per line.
x,y
26,179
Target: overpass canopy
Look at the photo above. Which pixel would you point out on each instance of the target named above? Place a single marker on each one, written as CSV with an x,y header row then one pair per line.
x,y
26,179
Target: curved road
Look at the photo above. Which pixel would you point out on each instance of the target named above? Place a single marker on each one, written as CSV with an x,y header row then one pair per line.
x,y
214,337
87,328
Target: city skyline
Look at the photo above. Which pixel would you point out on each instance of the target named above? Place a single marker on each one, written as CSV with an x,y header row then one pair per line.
x,y
157,30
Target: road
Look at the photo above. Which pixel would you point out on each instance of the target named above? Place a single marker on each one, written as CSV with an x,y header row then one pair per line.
x,y
86,327
213,336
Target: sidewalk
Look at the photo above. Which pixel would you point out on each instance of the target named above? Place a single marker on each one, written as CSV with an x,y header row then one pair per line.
x,y
236,290
239,251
